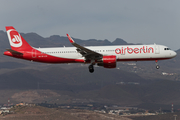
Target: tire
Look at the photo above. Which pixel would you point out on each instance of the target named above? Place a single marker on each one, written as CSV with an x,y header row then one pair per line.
x,y
157,66
91,69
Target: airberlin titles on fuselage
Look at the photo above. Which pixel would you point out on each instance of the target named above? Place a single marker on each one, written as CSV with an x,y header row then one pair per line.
x,y
129,50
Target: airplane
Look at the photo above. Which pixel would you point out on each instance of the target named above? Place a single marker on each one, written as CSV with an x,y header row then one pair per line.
x,y
106,56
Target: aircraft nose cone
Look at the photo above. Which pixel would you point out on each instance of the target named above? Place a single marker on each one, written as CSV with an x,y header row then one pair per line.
x,y
174,54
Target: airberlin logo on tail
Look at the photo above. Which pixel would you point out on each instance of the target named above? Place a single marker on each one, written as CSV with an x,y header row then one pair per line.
x,y
14,38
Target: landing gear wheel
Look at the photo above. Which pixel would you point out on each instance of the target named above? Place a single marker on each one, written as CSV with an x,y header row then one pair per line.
x,y
91,68
157,66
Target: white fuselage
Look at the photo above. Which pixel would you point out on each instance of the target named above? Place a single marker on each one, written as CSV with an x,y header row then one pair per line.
x,y
122,52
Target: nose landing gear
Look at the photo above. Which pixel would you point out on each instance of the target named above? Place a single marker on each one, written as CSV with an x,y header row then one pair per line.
x,y
157,66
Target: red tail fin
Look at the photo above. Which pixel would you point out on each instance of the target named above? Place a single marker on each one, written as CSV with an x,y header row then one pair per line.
x,y
17,42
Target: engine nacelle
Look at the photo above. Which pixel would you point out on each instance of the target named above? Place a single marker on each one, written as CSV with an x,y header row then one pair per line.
x,y
108,61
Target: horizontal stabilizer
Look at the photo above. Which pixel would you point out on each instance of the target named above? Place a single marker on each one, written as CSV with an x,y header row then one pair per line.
x,y
14,52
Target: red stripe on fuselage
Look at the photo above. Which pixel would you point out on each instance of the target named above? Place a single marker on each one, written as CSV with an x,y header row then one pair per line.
x,y
42,57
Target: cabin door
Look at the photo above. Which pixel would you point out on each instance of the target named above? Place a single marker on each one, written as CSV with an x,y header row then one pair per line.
x,y
157,51
34,53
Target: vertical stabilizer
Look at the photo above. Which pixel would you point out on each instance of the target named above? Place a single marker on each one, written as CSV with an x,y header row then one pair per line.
x,y
17,42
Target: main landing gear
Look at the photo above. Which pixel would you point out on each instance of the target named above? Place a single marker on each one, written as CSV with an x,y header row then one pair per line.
x,y
157,66
91,68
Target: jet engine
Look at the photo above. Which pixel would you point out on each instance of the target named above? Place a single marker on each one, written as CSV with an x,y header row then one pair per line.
x,y
108,61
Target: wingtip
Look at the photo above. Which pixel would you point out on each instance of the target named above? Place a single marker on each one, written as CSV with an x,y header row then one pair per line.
x,y
70,39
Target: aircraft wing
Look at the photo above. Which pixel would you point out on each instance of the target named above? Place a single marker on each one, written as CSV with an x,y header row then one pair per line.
x,y
14,52
85,52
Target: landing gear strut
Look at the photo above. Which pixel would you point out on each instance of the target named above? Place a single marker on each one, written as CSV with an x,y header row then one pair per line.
x,y
91,68
157,66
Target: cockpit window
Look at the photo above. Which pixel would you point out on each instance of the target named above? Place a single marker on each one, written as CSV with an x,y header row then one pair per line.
x,y
167,49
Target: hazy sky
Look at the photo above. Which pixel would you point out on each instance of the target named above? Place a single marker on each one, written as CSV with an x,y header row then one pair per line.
x,y
135,21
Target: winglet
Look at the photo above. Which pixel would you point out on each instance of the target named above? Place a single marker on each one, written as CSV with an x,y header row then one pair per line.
x,y
70,39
